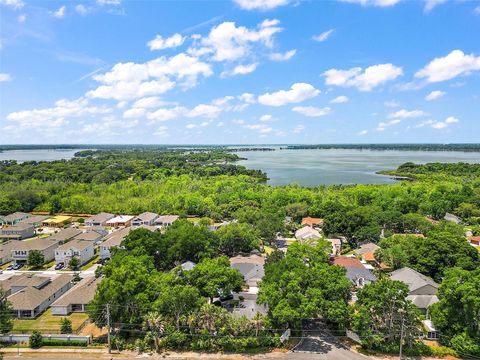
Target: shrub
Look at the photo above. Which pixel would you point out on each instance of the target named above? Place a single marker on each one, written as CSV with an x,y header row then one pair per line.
x,y
35,340
60,342
465,344
174,340
65,326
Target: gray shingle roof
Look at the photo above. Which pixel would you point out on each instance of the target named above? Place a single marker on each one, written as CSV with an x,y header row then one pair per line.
x,y
82,293
412,278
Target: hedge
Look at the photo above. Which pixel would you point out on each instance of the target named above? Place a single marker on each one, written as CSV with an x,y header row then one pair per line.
x,y
59,342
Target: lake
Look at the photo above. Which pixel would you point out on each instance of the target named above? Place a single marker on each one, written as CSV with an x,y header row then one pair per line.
x,y
38,154
312,167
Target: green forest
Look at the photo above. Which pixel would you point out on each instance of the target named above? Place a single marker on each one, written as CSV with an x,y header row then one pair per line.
x,y
158,305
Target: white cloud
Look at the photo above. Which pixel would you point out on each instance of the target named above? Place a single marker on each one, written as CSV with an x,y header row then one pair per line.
x,y
298,129
298,92
363,132
238,121
367,80
436,94
60,13
378,3
323,36
108,126
339,100
165,114
81,9
260,4
477,10
261,128
405,114
16,4
391,104
148,102
109,2
191,126
383,125
430,4
5,77
312,111
21,18
248,98
55,116
134,113
439,125
204,110
448,67
266,117
126,81
227,42
161,131
283,56
241,70
159,43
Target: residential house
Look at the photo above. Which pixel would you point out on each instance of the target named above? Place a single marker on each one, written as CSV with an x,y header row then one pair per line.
x,y
90,235
312,222
474,240
77,298
6,251
65,235
30,295
13,219
146,218
111,241
166,220
99,219
366,252
35,220
188,265
120,220
356,271
46,246
453,218
307,233
58,221
83,250
430,332
422,289
336,246
19,231
252,269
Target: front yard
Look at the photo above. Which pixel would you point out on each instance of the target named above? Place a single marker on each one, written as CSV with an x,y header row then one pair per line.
x,y
48,323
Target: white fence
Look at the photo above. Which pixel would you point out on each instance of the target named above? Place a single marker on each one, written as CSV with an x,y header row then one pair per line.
x,y
21,338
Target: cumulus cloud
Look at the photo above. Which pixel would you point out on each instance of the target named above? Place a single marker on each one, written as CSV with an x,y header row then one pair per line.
x,y
60,13
298,92
430,4
339,100
366,80
241,70
126,81
298,129
378,3
434,95
405,114
391,104
450,66
261,128
260,4
312,111
266,117
15,4
162,131
439,125
283,56
81,9
383,125
5,77
159,43
323,36
228,42
109,2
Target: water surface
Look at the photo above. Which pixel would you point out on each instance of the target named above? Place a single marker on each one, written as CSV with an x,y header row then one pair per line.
x,y
312,167
38,154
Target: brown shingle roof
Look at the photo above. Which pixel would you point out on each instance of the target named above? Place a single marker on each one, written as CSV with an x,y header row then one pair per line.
x,y
82,293
312,221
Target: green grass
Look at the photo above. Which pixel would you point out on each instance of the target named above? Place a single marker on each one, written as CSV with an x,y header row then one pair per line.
x,y
90,263
48,322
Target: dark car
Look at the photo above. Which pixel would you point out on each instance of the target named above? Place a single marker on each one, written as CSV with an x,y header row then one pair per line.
x,y
59,266
10,267
17,266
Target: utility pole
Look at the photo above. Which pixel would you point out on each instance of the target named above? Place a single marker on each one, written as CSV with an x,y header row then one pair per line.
x,y
401,338
108,329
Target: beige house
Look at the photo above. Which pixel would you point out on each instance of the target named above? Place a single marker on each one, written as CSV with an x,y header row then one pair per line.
x,y
30,295
46,246
19,231
77,298
146,218
99,219
6,251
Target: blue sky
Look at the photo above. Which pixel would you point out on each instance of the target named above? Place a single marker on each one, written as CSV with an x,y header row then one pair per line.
x,y
240,71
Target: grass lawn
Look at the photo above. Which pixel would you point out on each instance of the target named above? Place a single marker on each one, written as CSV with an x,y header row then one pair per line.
x,y
48,322
7,264
90,263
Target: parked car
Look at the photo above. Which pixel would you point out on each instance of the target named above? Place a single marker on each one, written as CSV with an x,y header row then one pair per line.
x,y
17,266
10,267
59,266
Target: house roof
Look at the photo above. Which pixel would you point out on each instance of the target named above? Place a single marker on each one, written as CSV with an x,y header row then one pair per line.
x,y
30,297
7,247
251,267
474,239
81,293
311,221
57,219
65,234
35,244
368,247
14,216
23,280
412,278
188,265
18,227
89,236
423,301
354,267
146,216
368,256
34,219
307,232
100,217
120,219
166,219
75,243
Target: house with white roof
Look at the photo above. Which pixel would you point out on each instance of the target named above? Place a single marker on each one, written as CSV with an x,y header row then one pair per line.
x,y
307,233
120,220
98,220
166,220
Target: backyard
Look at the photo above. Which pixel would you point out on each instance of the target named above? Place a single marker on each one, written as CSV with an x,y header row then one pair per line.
x,y
47,322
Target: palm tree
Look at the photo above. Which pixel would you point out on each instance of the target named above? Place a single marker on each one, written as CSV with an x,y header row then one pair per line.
x,y
154,325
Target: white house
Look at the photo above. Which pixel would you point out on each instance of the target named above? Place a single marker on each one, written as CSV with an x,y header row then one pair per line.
x,y
99,219
77,298
120,220
166,220
307,233
82,249
111,241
